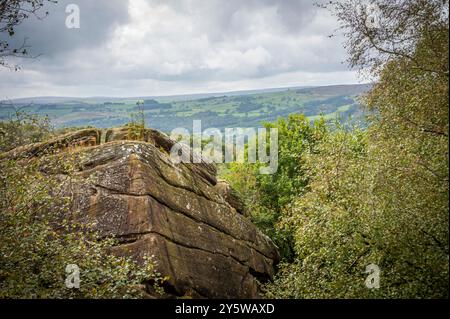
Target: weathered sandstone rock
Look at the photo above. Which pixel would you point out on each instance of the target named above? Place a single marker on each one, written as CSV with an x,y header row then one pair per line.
x,y
174,212
230,195
82,138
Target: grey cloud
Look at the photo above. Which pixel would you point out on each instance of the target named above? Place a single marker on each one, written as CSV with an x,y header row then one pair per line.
x,y
293,15
176,43
49,35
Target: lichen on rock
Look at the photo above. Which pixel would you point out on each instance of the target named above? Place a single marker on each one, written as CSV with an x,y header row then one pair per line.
x,y
177,213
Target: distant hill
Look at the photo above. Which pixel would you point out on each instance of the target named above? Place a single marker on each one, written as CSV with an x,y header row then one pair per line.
x,y
219,110
178,97
338,89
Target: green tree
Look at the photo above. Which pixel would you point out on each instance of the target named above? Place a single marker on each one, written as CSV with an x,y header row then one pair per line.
x,y
23,128
267,195
381,196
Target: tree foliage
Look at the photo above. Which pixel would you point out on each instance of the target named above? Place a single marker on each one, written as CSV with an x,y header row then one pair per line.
x,y
40,235
380,31
22,129
266,195
12,14
379,195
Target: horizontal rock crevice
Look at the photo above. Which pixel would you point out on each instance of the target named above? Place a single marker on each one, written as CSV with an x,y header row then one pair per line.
x,y
249,243
178,213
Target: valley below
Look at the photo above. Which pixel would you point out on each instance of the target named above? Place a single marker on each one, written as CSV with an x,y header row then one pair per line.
x,y
219,110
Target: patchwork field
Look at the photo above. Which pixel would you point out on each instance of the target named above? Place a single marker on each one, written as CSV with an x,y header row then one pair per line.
x,y
234,109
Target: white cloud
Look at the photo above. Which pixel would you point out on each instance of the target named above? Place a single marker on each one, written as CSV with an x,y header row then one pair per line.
x,y
170,47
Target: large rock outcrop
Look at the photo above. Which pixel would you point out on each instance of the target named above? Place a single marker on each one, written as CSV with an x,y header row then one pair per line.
x,y
174,212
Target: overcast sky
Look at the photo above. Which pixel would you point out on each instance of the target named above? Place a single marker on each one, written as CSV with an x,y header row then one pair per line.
x,y
165,47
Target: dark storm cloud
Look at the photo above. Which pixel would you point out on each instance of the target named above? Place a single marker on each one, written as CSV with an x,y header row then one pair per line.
x,y
49,35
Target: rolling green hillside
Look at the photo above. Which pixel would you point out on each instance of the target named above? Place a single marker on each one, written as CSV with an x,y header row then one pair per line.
x,y
234,109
